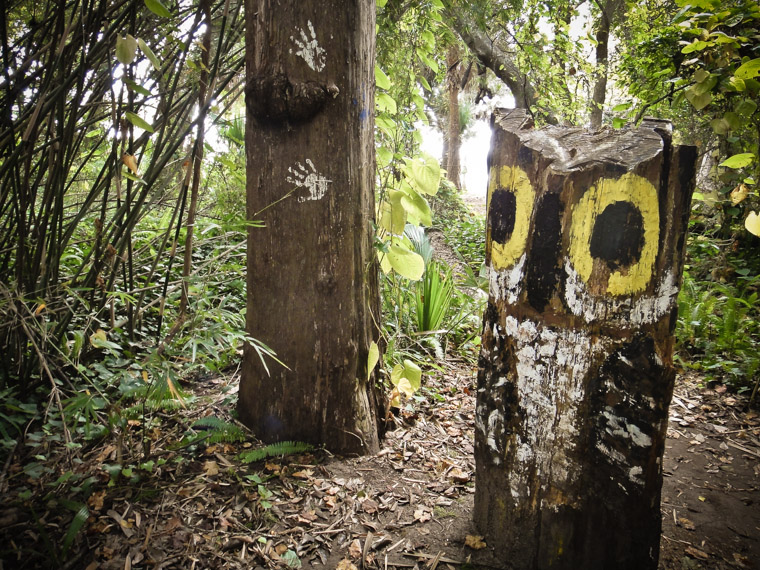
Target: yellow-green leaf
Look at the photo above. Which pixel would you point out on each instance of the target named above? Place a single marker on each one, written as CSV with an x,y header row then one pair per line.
x,y
381,80
752,223
139,122
406,262
125,49
158,8
738,160
424,174
372,358
748,69
413,373
149,54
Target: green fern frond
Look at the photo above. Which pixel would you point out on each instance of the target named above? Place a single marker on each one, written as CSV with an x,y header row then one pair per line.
x,y
275,449
218,431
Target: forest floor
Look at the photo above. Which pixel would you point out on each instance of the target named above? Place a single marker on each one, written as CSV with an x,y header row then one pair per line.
x,y
409,506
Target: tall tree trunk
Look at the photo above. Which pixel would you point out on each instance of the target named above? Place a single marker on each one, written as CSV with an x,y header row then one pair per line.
x,y
312,275
454,128
608,14
585,242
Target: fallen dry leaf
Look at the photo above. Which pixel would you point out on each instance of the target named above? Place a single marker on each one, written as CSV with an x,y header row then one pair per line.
x,y
422,515
211,468
686,523
346,564
459,476
475,542
696,553
130,161
355,549
369,506
95,502
305,474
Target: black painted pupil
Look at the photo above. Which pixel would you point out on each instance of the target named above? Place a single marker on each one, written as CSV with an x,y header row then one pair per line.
x,y
618,236
501,215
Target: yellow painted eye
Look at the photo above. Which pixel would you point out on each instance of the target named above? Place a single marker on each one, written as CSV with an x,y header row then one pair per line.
x,y
510,206
615,231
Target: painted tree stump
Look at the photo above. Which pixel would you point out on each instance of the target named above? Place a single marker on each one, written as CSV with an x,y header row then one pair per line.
x,y
585,240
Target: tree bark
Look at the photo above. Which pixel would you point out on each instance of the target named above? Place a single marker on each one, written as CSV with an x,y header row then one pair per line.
x,y
312,276
585,240
609,11
454,137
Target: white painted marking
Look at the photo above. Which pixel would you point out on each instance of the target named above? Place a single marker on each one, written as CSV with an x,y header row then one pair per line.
x,y
309,49
304,177
505,284
623,311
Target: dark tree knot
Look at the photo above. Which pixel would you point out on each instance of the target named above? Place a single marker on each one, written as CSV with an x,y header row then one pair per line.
x,y
275,99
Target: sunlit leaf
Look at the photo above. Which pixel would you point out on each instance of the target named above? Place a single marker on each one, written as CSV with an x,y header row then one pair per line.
x,y
699,101
424,173
385,103
738,160
139,122
739,194
125,49
149,54
372,358
406,262
158,8
748,69
752,223
129,161
381,80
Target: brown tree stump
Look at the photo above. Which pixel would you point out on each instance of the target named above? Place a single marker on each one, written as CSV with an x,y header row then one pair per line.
x,y
312,271
585,240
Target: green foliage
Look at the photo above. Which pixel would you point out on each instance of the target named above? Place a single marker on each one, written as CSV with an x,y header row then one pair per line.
x,y
433,294
718,329
212,429
274,450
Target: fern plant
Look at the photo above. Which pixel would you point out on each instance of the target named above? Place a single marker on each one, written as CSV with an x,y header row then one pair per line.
x,y
274,450
212,429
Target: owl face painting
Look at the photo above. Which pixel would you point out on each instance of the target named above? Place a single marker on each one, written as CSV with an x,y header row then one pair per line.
x,y
584,245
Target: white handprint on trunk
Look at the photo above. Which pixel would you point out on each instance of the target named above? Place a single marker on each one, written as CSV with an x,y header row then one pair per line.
x,y
310,51
304,177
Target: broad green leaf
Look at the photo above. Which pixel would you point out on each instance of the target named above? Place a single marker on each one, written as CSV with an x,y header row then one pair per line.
x,y
385,103
720,126
145,48
425,84
621,107
372,358
138,122
696,45
381,80
748,69
417,208
392,213
738,160
747,107
381,3
413,373
733,120
737,84
158,8
618,123
135,87
752,223
700,75
406,262
705,85
125,49
699,101
424,173
384,155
